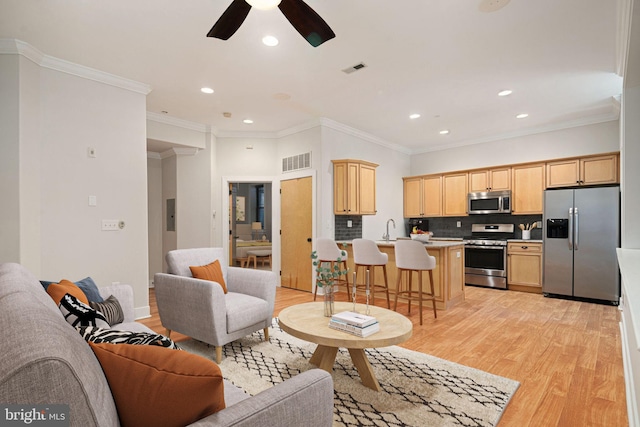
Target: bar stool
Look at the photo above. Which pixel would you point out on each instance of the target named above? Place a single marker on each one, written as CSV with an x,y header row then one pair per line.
x,y
367,255
411,256
328,251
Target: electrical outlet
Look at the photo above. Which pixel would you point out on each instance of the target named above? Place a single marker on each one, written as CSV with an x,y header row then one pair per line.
x,y
539,224
349,223
110,225
91,152
459,224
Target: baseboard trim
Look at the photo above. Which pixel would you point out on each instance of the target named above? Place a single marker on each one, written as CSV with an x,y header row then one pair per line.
x,y
632,408
142,312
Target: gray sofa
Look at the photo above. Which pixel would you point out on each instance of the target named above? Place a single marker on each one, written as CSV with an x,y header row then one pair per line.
x,y
45,361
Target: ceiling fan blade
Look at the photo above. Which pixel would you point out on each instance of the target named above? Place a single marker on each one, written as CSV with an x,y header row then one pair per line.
x,y
306,21
230,20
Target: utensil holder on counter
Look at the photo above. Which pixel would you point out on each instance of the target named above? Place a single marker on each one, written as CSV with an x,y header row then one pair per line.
x,y
526,234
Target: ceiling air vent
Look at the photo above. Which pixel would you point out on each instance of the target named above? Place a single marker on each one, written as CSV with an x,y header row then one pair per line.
x,y
297,162
356,67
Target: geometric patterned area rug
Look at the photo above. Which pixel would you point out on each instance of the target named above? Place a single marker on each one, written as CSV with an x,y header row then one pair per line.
x,y
417,389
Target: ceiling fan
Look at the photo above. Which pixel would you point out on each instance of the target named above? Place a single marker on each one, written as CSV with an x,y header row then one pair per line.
x,y
304,19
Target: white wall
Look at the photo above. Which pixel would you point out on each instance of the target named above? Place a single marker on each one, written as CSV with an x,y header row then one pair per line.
x,y
576,141
193,184
630,168
77,114
169,191
9,159
393,165
154,208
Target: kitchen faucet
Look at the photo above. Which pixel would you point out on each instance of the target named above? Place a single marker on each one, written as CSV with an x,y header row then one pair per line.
x,y
386,236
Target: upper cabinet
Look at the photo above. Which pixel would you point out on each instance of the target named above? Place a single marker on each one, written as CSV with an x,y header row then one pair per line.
x,y
583,171
455,189
527,187
497,179
423,196
354,187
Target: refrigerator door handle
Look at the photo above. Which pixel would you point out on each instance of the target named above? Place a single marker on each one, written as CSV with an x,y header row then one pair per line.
x,y
570,229
576,234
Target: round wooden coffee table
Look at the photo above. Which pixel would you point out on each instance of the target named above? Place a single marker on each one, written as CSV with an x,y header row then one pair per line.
x,y
307,322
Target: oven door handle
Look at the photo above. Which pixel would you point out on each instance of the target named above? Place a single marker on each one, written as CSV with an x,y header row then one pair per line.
x,y
494,247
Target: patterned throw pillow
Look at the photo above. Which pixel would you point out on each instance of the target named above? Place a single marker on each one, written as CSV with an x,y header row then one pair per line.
x,y
78,313
111,310
112,336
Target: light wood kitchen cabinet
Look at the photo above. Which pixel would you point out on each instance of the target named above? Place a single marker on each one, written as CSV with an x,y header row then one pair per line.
x,y
498,179
354,187
527,189
583,171
524,266
455,191
423,196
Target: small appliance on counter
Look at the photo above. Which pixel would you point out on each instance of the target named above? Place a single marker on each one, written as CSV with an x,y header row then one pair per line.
x,y
420,224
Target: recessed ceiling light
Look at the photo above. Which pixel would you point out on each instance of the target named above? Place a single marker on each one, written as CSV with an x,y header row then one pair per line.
x,y
270,41
414,116
505,92
247,121
206,90
444,132
522,116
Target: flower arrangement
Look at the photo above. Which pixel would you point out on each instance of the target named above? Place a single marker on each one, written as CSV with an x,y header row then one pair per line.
x,y
326,272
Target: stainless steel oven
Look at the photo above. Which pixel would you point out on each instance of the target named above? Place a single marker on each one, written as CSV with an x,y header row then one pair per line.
x,y
485,255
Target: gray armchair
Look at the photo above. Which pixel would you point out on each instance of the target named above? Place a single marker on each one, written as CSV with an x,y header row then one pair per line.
x,y
200,309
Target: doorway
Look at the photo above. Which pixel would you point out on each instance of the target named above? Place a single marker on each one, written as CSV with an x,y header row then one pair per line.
x,y
296,226
250,224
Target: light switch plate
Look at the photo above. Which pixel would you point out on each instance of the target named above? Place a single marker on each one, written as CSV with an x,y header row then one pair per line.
x,y
93,201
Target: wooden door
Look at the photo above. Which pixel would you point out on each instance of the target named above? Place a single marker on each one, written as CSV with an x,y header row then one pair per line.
x,y
528,189
478,181
340,188
599,170
432,196
353,188
296,233
563,173
455,194
367,190
500,179
412,197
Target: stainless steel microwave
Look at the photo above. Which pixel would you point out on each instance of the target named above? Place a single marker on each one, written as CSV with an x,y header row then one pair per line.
x,y
489,202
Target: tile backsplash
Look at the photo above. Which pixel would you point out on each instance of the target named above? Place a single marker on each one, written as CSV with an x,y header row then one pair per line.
x,y
447,226
342,232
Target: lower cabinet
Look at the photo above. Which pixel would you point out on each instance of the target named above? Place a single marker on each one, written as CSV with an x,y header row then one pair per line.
x,y
524,266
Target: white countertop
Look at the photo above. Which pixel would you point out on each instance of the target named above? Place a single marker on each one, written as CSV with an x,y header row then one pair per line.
x,y
523,241
429,244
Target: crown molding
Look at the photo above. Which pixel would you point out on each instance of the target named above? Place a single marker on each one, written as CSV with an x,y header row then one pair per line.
x,y
153,155
610,116
179,151
174,121
18,47
362,135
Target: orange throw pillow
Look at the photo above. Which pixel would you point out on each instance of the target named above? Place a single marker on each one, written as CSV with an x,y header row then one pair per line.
x,y
159,386
57,290
212,272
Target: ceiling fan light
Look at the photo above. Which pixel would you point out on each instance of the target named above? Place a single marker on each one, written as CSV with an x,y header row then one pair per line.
x,y
264,4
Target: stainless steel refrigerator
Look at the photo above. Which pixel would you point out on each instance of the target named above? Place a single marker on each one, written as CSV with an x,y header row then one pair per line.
x,y
581,233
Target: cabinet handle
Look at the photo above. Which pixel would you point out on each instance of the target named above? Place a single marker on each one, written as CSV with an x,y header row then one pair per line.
x,y
524,247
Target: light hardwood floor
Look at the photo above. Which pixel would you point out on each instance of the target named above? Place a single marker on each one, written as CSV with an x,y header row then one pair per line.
x,y
566,355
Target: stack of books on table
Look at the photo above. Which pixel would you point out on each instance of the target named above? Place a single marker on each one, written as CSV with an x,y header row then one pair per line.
x,y
354,323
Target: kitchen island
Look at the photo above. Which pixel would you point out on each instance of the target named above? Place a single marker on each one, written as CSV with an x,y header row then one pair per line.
x,y
448,276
